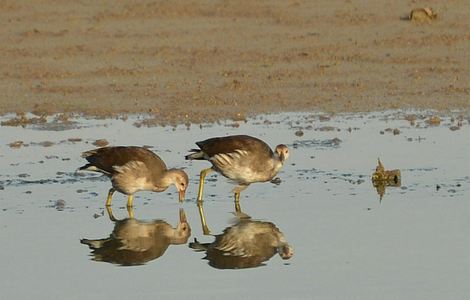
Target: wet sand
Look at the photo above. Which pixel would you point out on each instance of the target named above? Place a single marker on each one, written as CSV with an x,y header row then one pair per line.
x,y
206,60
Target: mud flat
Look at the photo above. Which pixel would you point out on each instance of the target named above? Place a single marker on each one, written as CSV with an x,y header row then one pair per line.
x,y
209,60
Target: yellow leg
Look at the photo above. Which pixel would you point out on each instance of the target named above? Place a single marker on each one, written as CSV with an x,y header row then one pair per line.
x,y
110,196
130,211
237,207
201,182
237,198
110,214
205,228
130,200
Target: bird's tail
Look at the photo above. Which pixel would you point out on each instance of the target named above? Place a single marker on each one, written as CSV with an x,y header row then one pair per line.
x,y
197,154
93,244
198,246
85,167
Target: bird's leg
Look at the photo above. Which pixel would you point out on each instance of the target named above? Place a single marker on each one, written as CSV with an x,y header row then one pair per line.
x,y
238,209
130,200
130,212
237,199
110,196
110,214
201,182
205,229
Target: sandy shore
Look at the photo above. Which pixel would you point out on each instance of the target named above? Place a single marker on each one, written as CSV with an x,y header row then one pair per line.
x,y
199,61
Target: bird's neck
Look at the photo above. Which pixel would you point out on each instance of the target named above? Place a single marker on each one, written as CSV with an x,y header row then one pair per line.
x,y
165,180
277,163
177,237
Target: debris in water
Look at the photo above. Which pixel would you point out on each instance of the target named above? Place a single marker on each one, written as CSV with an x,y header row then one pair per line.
x,y
74,140
16,144
46,143
434,121
383,178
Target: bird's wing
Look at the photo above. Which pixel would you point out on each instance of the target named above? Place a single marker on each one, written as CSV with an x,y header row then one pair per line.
x,y
107,158
229,144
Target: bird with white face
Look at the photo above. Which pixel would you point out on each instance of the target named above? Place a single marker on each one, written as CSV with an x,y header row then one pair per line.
x,y
241,158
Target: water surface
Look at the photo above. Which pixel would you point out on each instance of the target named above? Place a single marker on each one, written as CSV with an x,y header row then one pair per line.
x,y
347,243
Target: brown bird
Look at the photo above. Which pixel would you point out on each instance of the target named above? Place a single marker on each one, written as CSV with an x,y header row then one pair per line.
x,y
134,242
133,169
241,158
246,244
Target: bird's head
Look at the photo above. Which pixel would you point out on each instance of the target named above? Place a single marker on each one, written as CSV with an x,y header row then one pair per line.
x,y
180,179
182,231
283,152
285,251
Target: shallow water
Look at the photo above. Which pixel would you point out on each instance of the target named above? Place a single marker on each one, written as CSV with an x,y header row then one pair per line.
x,y
347,242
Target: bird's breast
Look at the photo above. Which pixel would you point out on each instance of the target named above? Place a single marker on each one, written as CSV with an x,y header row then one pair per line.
x,y
130,185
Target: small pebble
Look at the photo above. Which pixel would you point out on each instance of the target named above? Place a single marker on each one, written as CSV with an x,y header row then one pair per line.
x,y
299,133
101,143
59,204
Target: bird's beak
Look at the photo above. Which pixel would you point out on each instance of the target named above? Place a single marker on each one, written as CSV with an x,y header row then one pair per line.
x,y
182,216
282,157
182,194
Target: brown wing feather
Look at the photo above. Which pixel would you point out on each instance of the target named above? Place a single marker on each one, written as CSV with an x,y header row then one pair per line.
x,y
229,144
107,157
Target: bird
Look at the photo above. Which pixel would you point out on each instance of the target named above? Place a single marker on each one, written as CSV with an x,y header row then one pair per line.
x,y
246,244
132,169
135,242
241,158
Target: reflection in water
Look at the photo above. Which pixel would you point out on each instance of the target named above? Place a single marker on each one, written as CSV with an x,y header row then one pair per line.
x,y
134,242
380,187
246,244
383,178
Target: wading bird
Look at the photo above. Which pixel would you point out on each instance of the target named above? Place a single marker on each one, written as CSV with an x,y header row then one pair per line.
x,y
133,169
241,158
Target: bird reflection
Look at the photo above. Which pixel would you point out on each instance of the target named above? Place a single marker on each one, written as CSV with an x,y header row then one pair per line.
x,y
246,244
381,187
134,242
